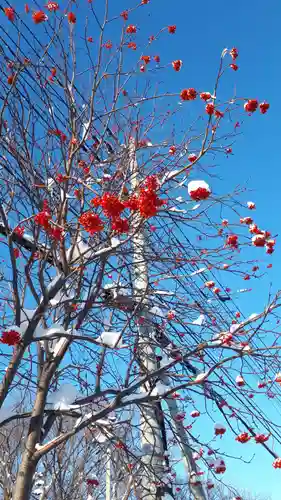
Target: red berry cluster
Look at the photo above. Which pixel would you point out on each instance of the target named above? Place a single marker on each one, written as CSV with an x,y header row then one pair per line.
x,y
262,238
10,13
91,222
243,437
145,59
44,218
19,231
246,220
261,438
112,208
131,29
92,482
188,94
234,53
125,15
16,253
10,337
58,133
205,96
232,241
252,105
172,29
110,203
56,233
120,225
132,203
210,108
148,201
177,64
277,463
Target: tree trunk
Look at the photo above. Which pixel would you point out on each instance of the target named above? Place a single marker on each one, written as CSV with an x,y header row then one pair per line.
x,y
25,478
28,465
150,429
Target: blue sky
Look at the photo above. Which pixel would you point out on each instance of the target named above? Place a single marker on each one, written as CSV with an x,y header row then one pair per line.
x,y
204,29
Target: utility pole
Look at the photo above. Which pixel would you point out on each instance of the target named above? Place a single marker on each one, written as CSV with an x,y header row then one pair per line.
x,y
151,438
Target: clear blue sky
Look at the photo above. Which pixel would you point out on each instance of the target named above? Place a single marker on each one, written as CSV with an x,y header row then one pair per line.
x,y
203,29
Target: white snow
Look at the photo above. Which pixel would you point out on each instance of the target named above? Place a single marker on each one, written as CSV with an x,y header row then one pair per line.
x,y
38,491
194,185
58,346
156,311
199,271
234,328
177,210
50,332
28,237
133,398
200,377
54,282
79,249
86,129
61,296
168,175
196,206
102,250
26,316
200,321
115,242
159,389
39,482
63,398
253,317
118,289
110,339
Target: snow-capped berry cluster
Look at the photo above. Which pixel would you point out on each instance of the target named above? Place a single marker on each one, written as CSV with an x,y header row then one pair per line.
x,y
198,190
177,64
277,463
220,430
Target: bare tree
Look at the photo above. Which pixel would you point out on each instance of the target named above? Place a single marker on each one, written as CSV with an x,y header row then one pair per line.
x,y
115,322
